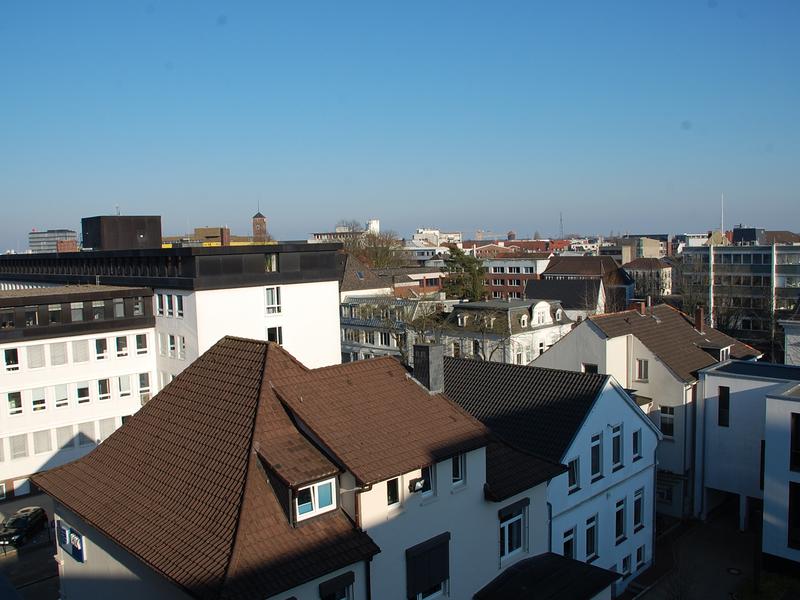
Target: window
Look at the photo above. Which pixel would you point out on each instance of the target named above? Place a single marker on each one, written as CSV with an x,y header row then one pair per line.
x,y
86,434
640,557
162,344
42,441
638,510
793,517
170,310
724,406
122,346
637,444
100,348
338,588
668,421
569,543
98,310
61,395
315,499
103,389
58,354
513,528
12,359
14,403
107,427
273,300
588,368
138,306
38,400
626,566
31,316
6,318
573,475
370,337
141,343
616,447
523,321
119,308
641,369
275,334
160,305
80,351
428,568
64,437
144,387
36,356
54,314
597,456
591,538
794,452
428,480
459,469
172,346
124,386
393,492
82,392
386,339
181,347
18,445
270,263
620,521
76,311
541,348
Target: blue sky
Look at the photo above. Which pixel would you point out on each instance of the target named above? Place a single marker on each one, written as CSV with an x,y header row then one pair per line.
x,y
624,116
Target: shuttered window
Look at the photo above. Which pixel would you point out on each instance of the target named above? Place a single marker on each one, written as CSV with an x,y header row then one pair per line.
x,y
428,567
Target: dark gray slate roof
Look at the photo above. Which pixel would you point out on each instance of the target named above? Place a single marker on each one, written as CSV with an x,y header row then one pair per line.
x,y
548,576
509,471
533,409
759,369
574,294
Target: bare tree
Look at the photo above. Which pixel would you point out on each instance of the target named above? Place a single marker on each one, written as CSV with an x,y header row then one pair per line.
x,y
350,225
377,250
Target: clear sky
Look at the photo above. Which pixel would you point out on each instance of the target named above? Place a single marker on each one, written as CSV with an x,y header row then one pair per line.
x,y
623,115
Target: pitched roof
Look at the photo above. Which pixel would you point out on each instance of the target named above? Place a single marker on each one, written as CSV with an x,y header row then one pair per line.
x,y
377,420
355,275
548,576
510,471
671,336
781,237
588,266
535,410
652,264
574,294
183,486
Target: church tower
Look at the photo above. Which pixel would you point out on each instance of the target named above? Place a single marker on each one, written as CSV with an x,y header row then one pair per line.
x,y
259,227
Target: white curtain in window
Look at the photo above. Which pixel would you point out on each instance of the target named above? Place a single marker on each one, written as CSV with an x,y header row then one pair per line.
x,y
58,354
64,437
107,427
35,356
80,351
19,445
42,441
86,433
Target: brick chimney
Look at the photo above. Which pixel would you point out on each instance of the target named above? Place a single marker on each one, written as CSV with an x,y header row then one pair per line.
x,y
640,307
699,319
429,366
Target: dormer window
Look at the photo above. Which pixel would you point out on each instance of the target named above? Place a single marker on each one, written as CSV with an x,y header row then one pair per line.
x,y
558,315
315,499
523,321
462,320
724,353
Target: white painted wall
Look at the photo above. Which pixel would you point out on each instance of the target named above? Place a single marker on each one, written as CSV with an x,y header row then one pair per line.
x,y
777,476
599,498
27,379
108,571
471,520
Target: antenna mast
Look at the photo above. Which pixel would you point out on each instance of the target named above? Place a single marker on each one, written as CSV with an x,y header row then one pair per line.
x,y
722,214
561,225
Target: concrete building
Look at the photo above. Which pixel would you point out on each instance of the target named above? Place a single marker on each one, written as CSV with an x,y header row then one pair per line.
x,y
652,277
121,232
299,493
287,293
513,331
603,511
77,361
656,354
40,242
436,237
791,341
508,274
580,298
617,283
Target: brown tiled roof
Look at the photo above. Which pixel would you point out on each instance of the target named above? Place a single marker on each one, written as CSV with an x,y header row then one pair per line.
x,y
355,275
781,237
181,485
671,336
588,266
535,410
652,264
377,420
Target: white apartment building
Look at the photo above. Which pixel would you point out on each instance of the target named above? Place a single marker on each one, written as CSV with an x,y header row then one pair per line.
x,y
791,341
287,293
602,511
77,361
656,353
319,505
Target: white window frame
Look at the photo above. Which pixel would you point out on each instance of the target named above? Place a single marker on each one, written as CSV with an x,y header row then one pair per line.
x,y
641,563
459,461
107,395
179,306
592,523
159,304
125,349
443,591
170,306
11,366
668,416
97,354
638,497
617,438
625,568
399,500
272,307
596,441
142,350
144,391
636,444
63,401
642,369
315,509
621,505
431,479
38,403
520,517
569,536
18,410
86,399
279,334
577,485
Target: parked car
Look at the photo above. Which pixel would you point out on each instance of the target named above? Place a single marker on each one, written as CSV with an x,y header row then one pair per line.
x,y
22,525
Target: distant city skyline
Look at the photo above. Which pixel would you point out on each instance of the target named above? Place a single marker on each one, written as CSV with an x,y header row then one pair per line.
x,y
627,116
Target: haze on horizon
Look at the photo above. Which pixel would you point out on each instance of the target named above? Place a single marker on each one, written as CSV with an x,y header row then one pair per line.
x,y
624,116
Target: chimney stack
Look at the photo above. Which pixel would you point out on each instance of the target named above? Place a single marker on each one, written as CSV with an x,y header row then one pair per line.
x,y
639,307
699,320
429,366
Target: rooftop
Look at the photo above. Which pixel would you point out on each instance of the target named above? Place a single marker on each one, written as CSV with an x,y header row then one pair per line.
x,y
671,336
69,290
759,369
574,294
651,264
